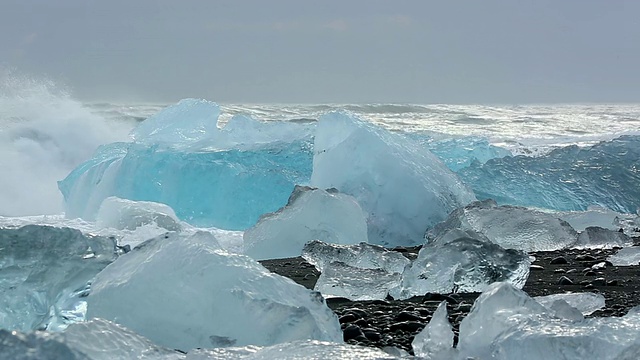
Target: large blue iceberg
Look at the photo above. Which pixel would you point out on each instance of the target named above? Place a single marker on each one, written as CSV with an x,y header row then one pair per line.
x,y
570,178
216,177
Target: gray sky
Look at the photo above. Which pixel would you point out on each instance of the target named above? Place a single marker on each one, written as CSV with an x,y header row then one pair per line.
x,y
509,51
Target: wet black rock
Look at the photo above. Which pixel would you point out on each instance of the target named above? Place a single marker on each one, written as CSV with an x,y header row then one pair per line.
x,y
559,260
565,281
352,332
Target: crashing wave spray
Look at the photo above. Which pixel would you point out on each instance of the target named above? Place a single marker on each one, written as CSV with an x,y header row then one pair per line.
x,y
44,134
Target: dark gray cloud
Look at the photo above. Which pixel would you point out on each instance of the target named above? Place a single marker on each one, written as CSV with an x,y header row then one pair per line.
x,y
330,51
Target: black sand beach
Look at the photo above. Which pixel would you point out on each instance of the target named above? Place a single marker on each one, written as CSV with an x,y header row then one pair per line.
x,y
391,322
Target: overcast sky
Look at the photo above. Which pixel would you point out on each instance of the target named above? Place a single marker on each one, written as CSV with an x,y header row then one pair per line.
x,y
509,51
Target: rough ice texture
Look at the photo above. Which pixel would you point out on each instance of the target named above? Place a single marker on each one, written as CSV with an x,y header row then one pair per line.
x,y
435,341
45,273
509,226
462,265
595,237
123,214
586,302
403,187
296,350
570,178
354,283
101,339
626,257
184,292
363,255
36,346
310,214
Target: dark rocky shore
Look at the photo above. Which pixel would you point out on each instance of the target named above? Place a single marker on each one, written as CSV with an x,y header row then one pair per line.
x,y
390,322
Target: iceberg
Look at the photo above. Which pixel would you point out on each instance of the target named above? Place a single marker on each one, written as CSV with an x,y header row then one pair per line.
x,y
356,284
508,226
123,214
363,255
595,237
586,302
45,274
204,174
310,214
184,292
568,178
403,187
462,265
435,341
629,256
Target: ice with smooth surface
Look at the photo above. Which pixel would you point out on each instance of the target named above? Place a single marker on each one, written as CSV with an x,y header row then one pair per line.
x,y
310,214
363,255
435,341
45,274
185,292
462,265
595,237
586,302
209,177
356,284
629,256
403,187
509,226
123,214
593,216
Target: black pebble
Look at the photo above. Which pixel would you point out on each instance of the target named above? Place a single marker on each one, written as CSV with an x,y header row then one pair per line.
x,y
565,281
351,332
559,260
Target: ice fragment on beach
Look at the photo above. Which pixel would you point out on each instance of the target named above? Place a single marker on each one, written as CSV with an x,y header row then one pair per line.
x,y
310,214
629,256
462,265
185,292
403,187
586,302
363,255
435,341
508,226
354,283
123,214
45,273
595,237
593,216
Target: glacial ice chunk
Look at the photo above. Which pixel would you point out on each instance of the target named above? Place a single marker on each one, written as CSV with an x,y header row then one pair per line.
x,y
188,121
45,274
363,255
310,214
462,265
356,284
629,256
509,226
593,216
435,341
460,152
568,178
403,187
586,302
36,346
595,237
185,292
124,214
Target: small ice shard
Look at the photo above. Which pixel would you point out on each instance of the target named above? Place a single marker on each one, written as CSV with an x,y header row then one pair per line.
x,y
435,341
563,310
511,227
45,274
363,255
403,187
462,265
629,256
594,237
36,346
188,121
593,216
185,292
494,312
101,339
356,284
586,302
123,214
310,214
